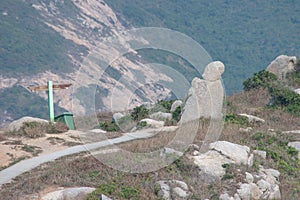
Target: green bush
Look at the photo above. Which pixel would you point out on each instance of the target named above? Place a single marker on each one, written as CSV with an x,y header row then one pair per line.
x,y
262,79
235,119
109,126
176,115
139,113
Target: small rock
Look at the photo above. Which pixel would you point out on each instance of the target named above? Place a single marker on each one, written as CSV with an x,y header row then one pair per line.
x,y
175,105
236,197
262,154
275,194
167,150
236,152
249,191
164,190
246,130
250,160
117,116
103,197
161,116
225,196
151,123
253,119
249,178
17,124
69,193
263,185
180,192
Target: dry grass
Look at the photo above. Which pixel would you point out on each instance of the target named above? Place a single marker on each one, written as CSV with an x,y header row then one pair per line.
x,y
86,170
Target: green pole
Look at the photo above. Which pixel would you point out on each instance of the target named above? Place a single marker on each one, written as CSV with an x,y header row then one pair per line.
x,y
50,101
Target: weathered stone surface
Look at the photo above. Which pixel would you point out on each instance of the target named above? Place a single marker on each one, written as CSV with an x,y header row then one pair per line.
x,y
250,160
252,119
16,125
104,197
213,71
225,196
246,130
177,191
282,65
260,153
236,152
211,163
173,189
275,194
297,90
249,191
249,177
296,145
205,97
161,116
117,116
175,105
264,185
69,194
151,123
164,190
167,150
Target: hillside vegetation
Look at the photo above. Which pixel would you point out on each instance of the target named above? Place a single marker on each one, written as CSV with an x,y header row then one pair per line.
x,y
245,35
27,45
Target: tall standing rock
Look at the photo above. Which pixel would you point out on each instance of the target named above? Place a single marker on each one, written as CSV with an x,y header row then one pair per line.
x,y
205,99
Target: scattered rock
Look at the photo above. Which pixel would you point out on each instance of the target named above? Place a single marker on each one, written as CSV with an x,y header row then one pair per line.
x,y
225,196
249,191
151,123
161,116
164,190
167,150
250,160
236,152
297,90
264,185
210,164
246,130
97,131
296,145
275,194
260,153
175,105
17,124
104,197
117,116
69,193
249,178
173,189
282,65
253,119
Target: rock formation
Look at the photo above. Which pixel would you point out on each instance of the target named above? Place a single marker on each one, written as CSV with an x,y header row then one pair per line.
x,y
282,65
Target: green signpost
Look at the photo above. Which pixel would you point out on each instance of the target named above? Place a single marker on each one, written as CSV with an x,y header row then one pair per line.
x,y
49,87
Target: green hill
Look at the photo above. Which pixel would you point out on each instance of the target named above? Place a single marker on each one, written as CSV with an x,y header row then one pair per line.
x,y
245,35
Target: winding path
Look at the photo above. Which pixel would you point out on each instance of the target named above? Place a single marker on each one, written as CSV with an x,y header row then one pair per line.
x,y
9,173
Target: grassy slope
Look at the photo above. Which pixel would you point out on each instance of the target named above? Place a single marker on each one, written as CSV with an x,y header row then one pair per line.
x,y
84,170
245,35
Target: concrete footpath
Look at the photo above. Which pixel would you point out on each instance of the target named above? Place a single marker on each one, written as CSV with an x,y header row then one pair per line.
x,y
13,171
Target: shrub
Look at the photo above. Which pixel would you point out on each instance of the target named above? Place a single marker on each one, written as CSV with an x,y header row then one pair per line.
x,y
109,126
262,79
176,115
139,113
235,119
